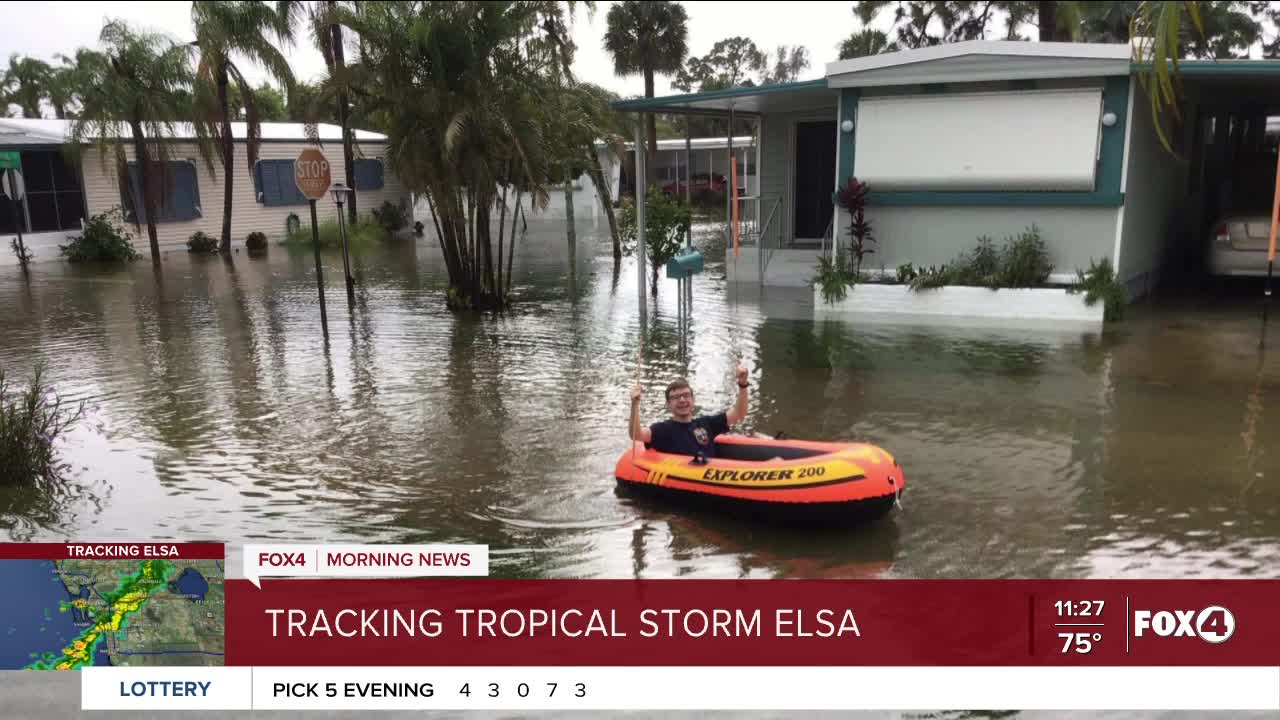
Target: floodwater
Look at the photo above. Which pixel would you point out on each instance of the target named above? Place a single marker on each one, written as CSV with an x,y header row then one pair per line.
x,y
219,412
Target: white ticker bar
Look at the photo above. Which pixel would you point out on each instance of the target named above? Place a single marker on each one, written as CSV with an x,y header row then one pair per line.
x,y
684,688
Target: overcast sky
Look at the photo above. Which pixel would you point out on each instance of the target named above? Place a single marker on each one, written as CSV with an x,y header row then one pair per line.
x,y
44,29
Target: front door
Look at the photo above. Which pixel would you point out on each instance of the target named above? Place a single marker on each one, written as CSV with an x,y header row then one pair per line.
x,y
815,177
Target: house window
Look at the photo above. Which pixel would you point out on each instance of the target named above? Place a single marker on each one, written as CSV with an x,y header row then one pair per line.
x,y
274,185
180,201
54,199
368,174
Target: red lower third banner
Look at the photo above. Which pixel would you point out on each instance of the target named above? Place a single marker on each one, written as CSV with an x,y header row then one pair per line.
x,y
455,622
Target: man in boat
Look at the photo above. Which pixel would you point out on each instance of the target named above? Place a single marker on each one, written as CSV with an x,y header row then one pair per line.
x,y
685,434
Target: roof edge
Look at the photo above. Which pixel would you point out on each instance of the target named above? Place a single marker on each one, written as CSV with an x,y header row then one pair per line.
x,y
1064,50
665,101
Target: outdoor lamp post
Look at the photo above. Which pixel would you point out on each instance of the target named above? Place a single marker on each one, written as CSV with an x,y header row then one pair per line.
x,y
339,192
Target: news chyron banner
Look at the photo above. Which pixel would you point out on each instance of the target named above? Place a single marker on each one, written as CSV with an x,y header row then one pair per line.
x,y
418,627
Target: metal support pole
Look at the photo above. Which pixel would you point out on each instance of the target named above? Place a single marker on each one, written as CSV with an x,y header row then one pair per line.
x,y
642,190
17,226
688,176
346,262
315,244
728,163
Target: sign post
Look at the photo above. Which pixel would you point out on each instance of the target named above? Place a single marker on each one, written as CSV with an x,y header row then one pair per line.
x,y
14,189
1271,255
311,174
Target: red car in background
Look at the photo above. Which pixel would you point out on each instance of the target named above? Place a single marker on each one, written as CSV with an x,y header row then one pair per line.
x,y
698,183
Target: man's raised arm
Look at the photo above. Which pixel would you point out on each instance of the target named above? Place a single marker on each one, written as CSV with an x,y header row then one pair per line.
x,y
637,430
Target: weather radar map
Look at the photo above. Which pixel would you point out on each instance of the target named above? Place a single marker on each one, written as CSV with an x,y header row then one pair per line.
x,y
65,614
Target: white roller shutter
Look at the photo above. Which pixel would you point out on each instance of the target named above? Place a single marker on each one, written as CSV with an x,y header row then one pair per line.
x,y
1034,140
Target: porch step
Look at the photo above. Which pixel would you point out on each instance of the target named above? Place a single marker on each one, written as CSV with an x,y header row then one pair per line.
x,y
787,267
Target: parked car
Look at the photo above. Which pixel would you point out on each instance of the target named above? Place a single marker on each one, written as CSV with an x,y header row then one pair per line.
x,y
699,182
1238,245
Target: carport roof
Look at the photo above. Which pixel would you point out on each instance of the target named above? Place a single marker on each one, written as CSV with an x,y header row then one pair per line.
x,y
805,95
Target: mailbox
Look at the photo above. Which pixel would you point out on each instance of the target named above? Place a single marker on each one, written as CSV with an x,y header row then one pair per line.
x,y
685,265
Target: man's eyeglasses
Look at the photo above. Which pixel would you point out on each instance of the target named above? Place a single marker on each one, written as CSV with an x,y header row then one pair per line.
x,y
685,395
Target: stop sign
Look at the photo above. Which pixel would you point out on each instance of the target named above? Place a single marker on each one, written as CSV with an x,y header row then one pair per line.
x,y
311,173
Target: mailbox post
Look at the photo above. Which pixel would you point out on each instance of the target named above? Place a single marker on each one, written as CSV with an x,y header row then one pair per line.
x,y
683,267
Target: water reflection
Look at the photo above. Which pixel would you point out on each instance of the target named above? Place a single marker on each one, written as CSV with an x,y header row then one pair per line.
x,y
221,412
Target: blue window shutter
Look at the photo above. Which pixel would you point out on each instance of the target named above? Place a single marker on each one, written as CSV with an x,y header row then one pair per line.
x,y
368,174
259,193
180,202
186,191
275,180
270,183
135,194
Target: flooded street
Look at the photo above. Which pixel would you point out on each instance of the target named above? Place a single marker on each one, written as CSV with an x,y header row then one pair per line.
x,y
219,412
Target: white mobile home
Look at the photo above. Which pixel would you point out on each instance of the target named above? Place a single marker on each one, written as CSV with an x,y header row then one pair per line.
x,y
990,137
62,192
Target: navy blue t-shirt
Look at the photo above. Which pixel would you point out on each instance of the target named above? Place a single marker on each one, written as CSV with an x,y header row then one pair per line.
x,y
688,438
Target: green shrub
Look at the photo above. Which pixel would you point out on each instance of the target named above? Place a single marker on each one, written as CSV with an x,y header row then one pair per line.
x,y
833,279
1099,282
666,220
364,233
934,277
391,217
1024,262
906,273
199,242
103,239
31,420
256,242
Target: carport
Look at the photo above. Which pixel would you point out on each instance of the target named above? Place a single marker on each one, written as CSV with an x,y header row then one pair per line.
x,y
1178,207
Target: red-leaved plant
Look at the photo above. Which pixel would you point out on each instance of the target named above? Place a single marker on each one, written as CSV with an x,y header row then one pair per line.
x,y
852,198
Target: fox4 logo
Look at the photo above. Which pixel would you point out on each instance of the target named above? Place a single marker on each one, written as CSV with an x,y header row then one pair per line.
x,y
1214,624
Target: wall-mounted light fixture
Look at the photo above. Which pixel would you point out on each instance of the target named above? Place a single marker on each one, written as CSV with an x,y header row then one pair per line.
x,y
1109,119
847,126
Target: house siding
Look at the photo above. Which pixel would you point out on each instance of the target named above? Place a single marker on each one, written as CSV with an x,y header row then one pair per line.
x,y
102,192
927,236
1153,184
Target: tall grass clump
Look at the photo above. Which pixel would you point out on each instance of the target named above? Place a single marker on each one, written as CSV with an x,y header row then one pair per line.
x,y
31,421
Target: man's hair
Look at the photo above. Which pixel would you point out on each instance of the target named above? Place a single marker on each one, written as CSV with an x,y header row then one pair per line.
x,y
676,385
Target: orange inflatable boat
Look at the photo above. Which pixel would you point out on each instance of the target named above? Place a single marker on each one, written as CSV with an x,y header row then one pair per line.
x,y
758,475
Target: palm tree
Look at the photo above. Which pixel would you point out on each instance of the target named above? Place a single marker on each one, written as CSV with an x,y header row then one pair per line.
x,y
326,19
647,38
224,31
593,105
1161,25
24,83
463,88
134,92
63,88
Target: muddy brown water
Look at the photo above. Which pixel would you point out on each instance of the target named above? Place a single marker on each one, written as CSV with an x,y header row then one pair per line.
x,y
218,412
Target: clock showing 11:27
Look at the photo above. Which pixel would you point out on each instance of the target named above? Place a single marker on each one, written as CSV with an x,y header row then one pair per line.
x,y
1079,608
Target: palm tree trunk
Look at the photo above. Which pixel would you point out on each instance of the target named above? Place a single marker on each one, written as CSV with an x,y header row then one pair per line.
x,y
571,232
651,124
511,253
606,199
1048,11
59,111
502,227
228,160
344,119
484,230
143,161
